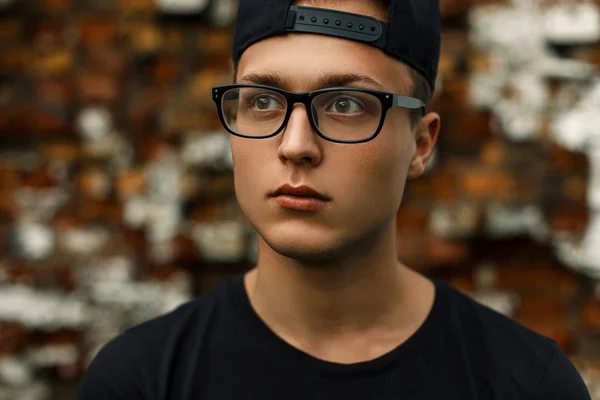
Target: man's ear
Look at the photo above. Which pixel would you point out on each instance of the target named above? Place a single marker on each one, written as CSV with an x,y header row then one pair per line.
x,y
425,135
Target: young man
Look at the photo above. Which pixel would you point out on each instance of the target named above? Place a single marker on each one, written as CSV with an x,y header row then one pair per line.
x,y
326,130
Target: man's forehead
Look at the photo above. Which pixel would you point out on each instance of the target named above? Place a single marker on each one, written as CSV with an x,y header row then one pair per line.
x,y
300,62
385,74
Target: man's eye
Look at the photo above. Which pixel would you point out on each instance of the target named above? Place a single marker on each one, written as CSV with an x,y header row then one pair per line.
x,y
265,102
345,105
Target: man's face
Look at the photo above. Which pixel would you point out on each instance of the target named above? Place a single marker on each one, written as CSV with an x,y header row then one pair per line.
x,y
365,181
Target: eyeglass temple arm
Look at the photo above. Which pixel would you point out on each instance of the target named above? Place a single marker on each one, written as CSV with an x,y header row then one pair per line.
x,y
408,102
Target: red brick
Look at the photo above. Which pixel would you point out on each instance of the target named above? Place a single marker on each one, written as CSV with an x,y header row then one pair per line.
x,y
445,187
50,33
9,178
165,69
184,248
13,337
526,188
112,212
412,218
458,90
423,250
220,187
144,37
66,218
202,83
60,151
15,60
465,126
55,276
451,8
98,30
55,5
453,53
163,273
151,147
134,240
93,86
54,90
493,153
105,212
191,184
46,124
94,183
144,107
53,62
575,189
447,251
8,208
137,6
420,189
186,117
110,60
462,283
173,38
563,160
542,310
15,124
207,212
215,41
590,315
11,30
130,183
38,178
439,186
587,54
542,280
20,274
479,183
594,58
573,220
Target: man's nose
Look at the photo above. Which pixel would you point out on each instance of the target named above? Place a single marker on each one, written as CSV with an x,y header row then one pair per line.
x,y
300,143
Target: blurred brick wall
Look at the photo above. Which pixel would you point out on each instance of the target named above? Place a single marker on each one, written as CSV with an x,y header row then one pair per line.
x,y
116,187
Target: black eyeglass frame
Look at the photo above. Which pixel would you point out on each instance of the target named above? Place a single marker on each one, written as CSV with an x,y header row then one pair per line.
x,y
388,100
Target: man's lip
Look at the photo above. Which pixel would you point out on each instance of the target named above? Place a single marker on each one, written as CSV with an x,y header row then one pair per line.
x,y
302,191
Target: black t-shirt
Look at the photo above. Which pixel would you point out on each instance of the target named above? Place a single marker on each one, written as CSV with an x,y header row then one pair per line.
x,y
217,348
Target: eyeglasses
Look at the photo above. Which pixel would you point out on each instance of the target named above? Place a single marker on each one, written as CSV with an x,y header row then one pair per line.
x,y
342,115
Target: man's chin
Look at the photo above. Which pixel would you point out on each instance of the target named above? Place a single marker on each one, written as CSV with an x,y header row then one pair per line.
x,y
305,252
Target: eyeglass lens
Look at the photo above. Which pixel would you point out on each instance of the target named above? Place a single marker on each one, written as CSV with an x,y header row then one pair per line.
x,y
339,115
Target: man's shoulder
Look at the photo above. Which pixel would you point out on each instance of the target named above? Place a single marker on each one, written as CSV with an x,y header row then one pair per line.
x,y
130,364
192,315
501,349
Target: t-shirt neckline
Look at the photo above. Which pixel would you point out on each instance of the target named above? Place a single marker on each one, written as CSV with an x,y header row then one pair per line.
x,y
413,354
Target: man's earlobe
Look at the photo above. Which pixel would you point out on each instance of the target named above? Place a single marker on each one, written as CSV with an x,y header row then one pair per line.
x,y
414,171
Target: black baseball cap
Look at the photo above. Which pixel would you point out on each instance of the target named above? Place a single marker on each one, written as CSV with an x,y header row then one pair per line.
x,y
411,35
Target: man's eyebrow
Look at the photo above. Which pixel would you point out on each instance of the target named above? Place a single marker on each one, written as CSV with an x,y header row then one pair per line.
x,y
264,79
341,80
324,81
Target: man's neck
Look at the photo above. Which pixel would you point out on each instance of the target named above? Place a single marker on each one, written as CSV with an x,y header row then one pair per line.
x,y
365,293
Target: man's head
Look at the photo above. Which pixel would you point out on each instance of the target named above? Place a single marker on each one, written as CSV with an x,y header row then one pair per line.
x,y
364,182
